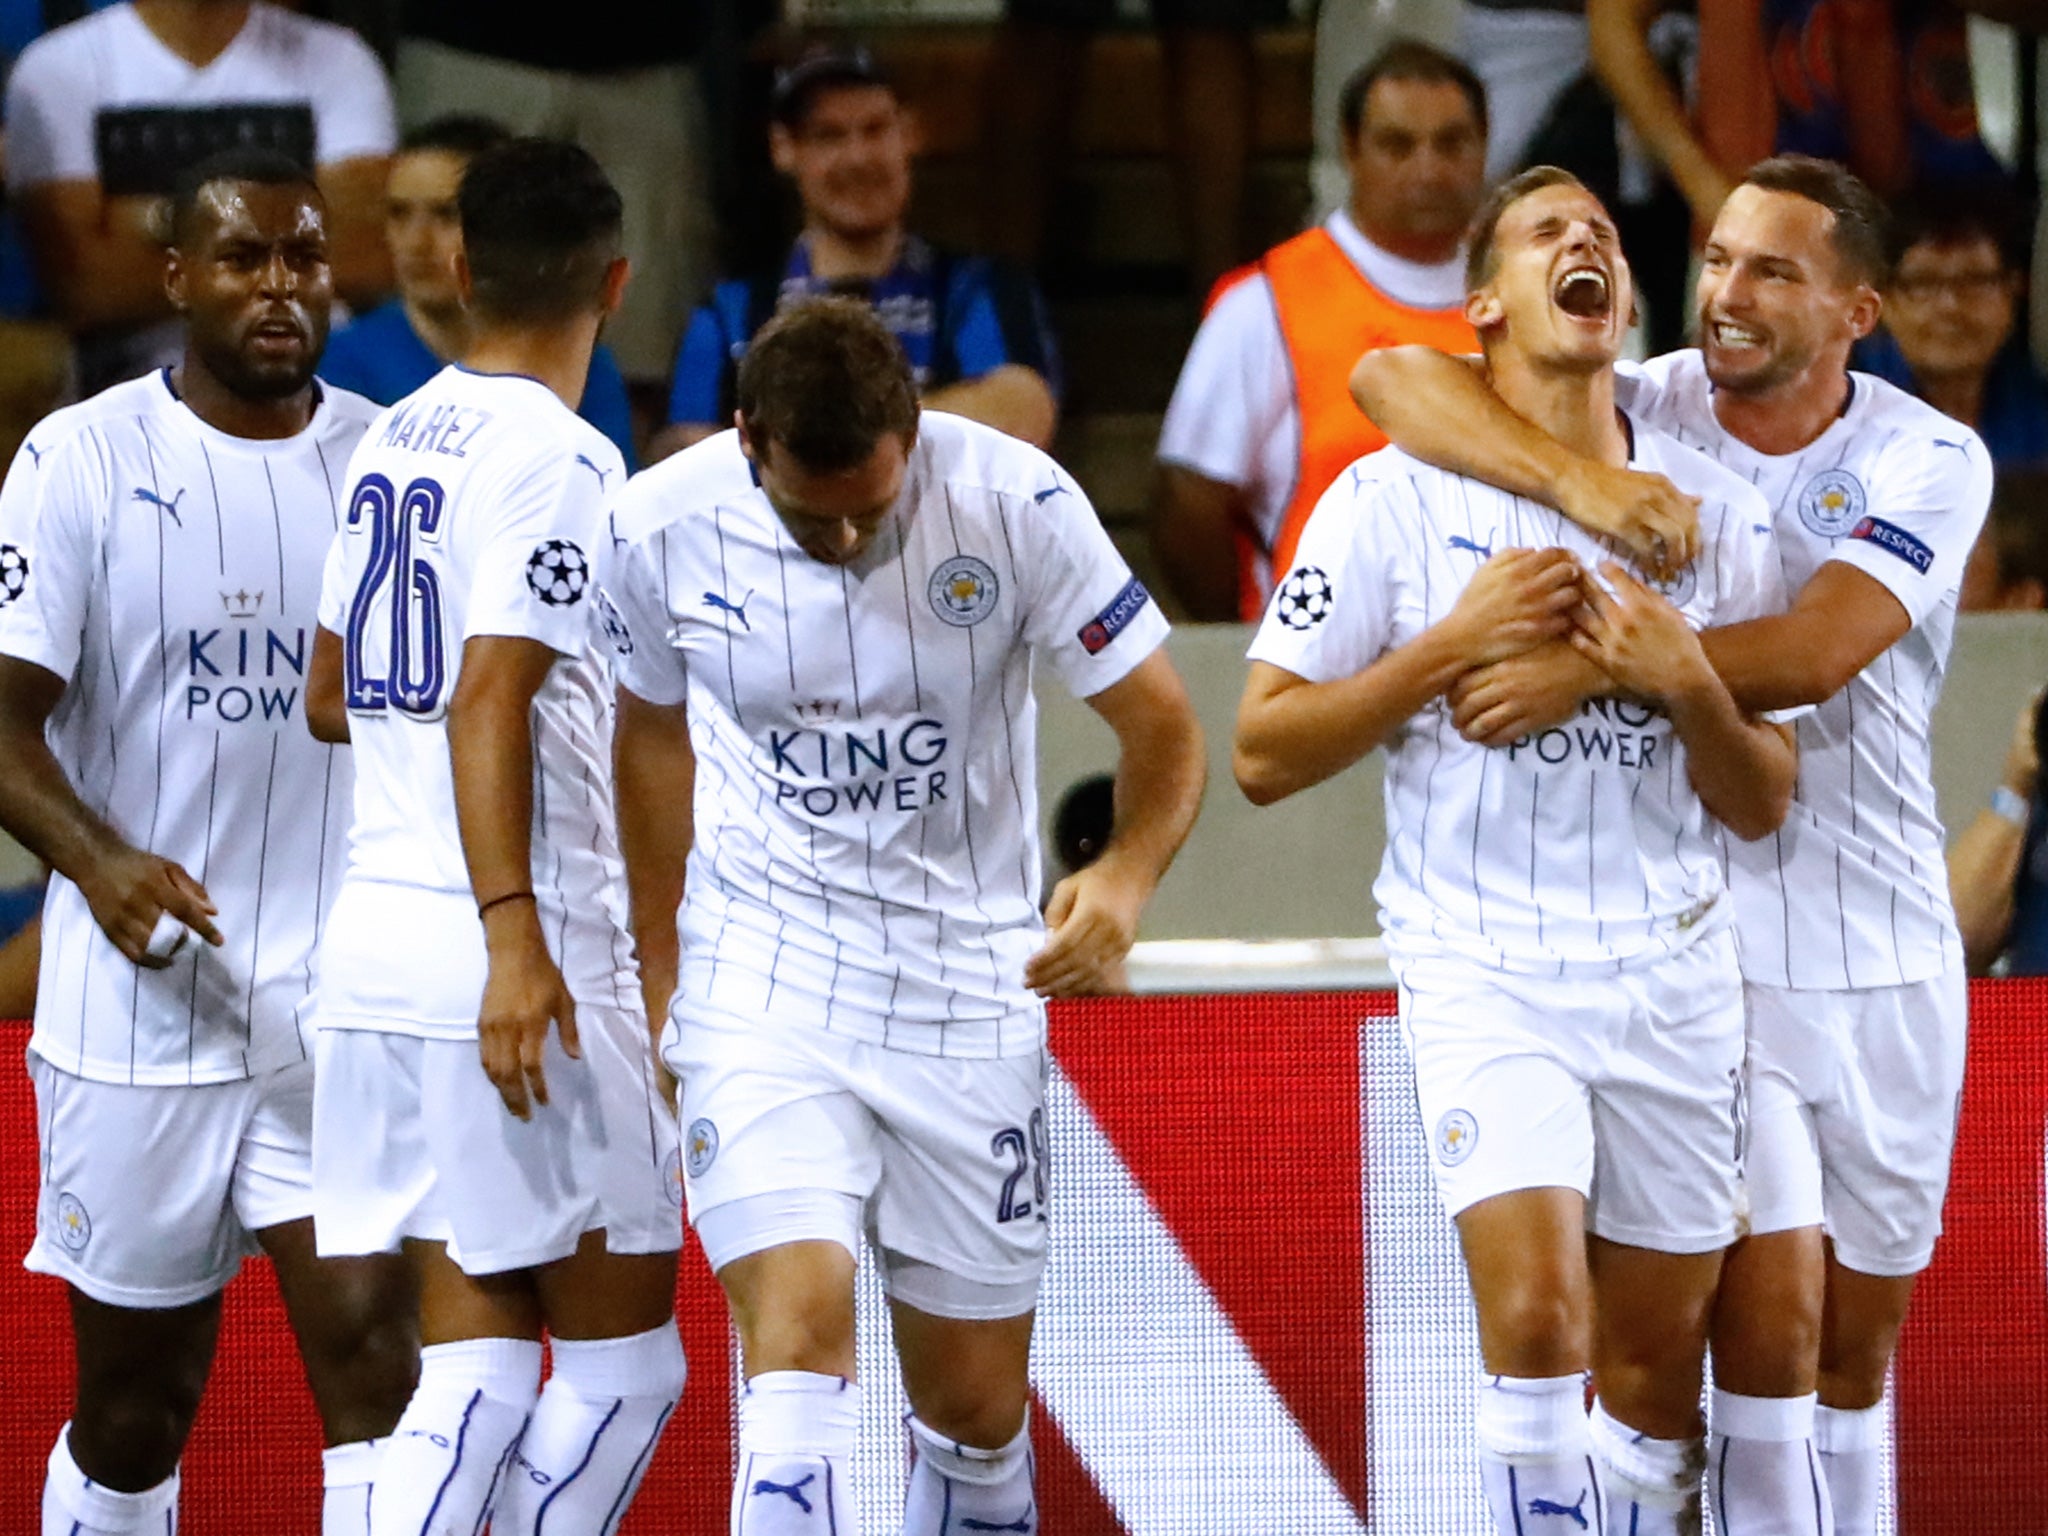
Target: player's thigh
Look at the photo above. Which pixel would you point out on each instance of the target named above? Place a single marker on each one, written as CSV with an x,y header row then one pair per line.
x,y
959,1222
1501,1070
967,1379
1886,1136
1666,1107
136,1202
777,1146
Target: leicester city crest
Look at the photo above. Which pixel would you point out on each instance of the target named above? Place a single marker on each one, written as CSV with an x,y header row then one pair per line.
x,y
963,591
1832,503
1456,1135
1678,589
700,1147
74,1226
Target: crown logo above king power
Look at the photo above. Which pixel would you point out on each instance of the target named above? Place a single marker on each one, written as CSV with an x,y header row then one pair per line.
x,y
242,604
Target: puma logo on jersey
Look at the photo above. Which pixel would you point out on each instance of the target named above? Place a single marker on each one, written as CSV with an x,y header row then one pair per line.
x,y
34,453
794,1492
1459,541
1962,448
1576,1513
1052,490
738,610
602,474
154,500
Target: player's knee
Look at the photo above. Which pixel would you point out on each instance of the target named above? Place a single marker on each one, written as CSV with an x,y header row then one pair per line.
x,y
817,1339
1537,1329
973,1409
1852,1373
362,1362
1767,1348
129,1433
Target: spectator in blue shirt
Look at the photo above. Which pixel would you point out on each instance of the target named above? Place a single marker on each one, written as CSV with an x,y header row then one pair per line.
x,y
1951,332
395,348
974,328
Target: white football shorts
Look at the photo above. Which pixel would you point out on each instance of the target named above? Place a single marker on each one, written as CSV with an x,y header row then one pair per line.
x,y
1625,1087
1853,1099
151,1195
410,1140
941,1160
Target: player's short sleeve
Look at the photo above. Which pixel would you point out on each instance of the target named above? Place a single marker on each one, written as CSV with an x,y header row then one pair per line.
x,y
538,535
1331,616
701,361
353,114
334,596
1084,610
637,622
1234,389
49,114
49,542
1747,567
1924,505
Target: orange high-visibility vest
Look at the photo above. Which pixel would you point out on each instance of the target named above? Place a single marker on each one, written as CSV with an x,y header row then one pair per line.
x,y
1329,315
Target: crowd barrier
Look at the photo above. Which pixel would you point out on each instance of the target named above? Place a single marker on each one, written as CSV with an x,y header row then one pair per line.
x,y
1254,1321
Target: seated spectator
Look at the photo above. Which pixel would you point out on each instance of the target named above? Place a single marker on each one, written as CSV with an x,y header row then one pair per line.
x,y
1998,866
1262,419
974,328
103,113
2008,567
1951,333
394,349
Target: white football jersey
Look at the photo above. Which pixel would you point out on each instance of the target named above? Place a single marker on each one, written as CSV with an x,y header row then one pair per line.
x,y
1583,849
866,853
1853,890
170,573
475,506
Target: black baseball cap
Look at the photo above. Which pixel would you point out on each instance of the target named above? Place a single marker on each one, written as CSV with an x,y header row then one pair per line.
x,y
817,68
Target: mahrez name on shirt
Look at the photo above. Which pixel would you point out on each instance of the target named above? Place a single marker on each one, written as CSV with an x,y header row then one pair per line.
x,y
444,429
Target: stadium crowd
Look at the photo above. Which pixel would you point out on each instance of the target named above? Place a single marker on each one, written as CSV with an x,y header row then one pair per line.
x,y
519,671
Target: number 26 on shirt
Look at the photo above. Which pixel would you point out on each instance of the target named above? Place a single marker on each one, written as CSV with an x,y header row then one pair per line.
x,y
415,671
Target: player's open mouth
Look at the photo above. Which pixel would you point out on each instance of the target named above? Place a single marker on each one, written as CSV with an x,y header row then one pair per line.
x,y
276,335
1727,336
1584,293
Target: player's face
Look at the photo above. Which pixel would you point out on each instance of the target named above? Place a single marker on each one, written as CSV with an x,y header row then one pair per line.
x,y
850,159
1417,164
1951,307
1560,293
833,517
423,226
1774,302
251,278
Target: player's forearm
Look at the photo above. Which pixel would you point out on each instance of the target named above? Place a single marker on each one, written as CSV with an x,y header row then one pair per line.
x,y
1011,398
1293,739
1440,409
1742,769
1785,662
1983,868
41,810
656,774
1160,773
490,749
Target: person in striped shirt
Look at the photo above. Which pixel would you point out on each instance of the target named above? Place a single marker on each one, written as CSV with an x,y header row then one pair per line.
x,y
1556,906
1853,967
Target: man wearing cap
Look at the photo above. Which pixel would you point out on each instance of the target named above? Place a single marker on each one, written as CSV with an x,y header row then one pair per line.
x,y
974,328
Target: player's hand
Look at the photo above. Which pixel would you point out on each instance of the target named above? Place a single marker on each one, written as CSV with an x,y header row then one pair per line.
x,y
523,994
1638,639
1498,705
1091,920
1517,600
128,890
1653,518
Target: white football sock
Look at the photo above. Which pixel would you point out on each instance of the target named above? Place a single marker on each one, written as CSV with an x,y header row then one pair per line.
x,y
442,1464
74,1505
1653,1486
1763,1477
591,1437
797,1432
347,1473
1535,1457
957,1488
1851,1446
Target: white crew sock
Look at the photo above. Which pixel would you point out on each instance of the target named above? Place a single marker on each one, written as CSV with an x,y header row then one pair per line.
x,y
589,1441
441,1465
1763,1477
1653,1486
797,1432
957,1488
1535,1457
347,1473
1850,1442
74,1505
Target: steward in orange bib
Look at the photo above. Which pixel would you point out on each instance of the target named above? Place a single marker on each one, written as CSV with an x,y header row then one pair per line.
x,y
1262,420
